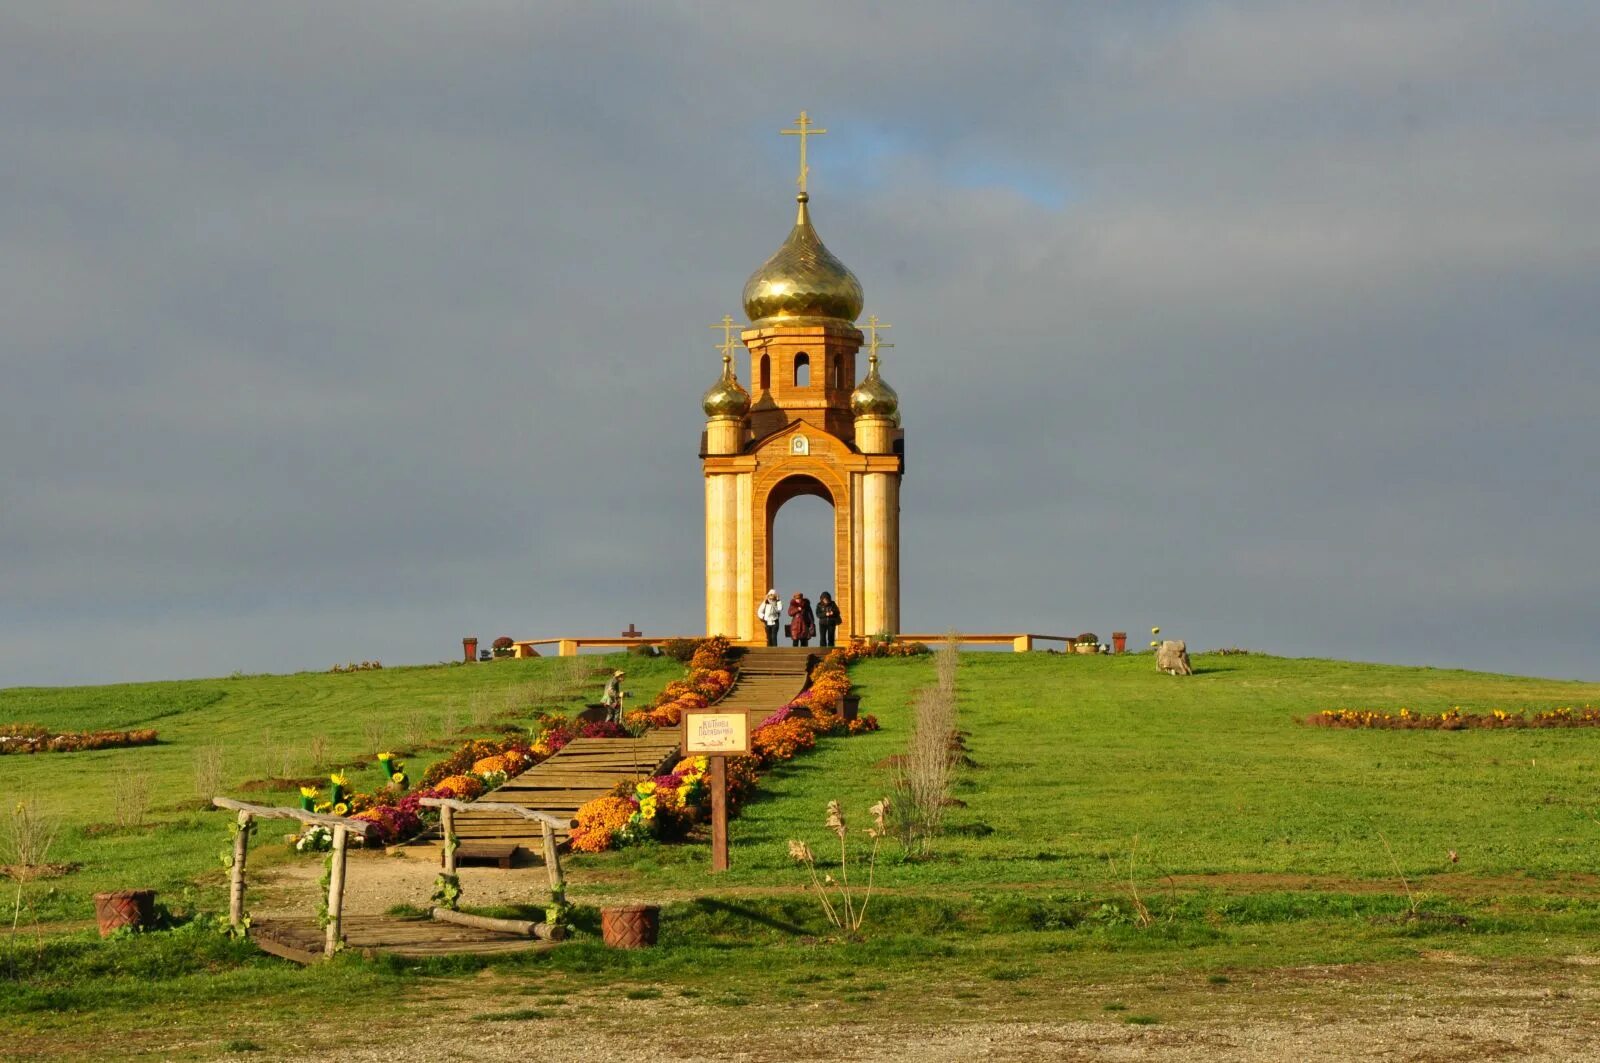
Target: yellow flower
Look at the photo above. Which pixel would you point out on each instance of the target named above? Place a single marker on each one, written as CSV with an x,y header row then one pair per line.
x,y
308,791
1154,644
646,788
341,809
398,776
338,779
647,808
385,756
1155,631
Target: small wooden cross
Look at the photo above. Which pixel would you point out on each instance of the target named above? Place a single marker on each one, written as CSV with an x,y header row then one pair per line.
x,y
632,632
804,130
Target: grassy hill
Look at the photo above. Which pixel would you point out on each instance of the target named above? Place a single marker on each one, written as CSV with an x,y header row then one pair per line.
x,y
1096,784
137,817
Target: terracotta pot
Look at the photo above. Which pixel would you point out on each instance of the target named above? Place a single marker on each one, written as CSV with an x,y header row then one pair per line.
x,y
469,647
1119,642
632,926
135,908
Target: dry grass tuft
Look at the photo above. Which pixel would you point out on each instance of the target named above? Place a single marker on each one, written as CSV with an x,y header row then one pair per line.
x,y
924,773
130,797
26,839
208,764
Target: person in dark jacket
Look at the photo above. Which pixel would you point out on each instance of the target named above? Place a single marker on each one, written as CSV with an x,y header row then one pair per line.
x,y
828,618
802,621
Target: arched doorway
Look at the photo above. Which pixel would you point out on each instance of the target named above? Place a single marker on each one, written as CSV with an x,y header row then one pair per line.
x,y
806,541
802,539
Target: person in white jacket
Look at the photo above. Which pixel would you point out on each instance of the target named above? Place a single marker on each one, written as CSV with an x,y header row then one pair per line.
x,y
770,612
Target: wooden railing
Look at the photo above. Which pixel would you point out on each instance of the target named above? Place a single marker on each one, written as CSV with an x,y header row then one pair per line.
x,y
1019,643
342,827
448,807
568,647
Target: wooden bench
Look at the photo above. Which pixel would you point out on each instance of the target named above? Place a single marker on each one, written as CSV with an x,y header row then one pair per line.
x,y
498,853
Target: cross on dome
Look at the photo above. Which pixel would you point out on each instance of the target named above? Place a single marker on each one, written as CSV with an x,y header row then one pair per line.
x,y
873,343
803,131
728,342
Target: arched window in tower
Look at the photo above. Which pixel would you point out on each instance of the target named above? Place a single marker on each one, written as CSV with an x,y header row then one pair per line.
x,y
836,375
766,373
802,370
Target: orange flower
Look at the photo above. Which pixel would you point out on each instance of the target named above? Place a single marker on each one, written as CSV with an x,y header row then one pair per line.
x,y
598,823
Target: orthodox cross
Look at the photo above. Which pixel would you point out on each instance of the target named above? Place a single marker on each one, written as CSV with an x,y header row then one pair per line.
x,y
728,342
804,123
873,343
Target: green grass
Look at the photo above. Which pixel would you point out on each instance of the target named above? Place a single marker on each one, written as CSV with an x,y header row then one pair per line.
x,y
266,727
1078,756
1260,849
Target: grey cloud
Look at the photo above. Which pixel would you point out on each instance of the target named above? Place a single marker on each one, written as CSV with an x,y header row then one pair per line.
x,y
344,331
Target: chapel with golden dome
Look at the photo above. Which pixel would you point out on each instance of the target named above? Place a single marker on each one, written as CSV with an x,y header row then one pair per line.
x,y
805,426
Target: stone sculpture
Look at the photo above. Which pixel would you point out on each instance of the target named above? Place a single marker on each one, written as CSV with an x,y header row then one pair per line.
x,y
1173,658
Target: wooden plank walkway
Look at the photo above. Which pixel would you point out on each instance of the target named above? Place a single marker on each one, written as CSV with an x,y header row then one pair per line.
x,y
769,678
587,768
301,940
582,770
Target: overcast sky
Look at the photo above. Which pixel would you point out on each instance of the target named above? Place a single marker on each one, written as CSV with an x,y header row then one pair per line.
x,y
333,331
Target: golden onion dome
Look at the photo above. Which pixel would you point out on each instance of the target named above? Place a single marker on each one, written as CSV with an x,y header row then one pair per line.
x,y
726,398
802,281
874,398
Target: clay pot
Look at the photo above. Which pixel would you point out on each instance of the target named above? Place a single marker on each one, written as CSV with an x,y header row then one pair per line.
x,y
469,647
632,926
135,908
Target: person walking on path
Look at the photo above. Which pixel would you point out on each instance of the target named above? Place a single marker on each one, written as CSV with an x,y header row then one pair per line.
x,y
827,619
802,621
770,613
612,698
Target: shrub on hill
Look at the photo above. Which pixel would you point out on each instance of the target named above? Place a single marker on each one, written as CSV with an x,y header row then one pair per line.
x,y
31,738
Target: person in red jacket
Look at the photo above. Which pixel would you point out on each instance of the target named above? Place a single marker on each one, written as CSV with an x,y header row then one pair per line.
x,y
802,622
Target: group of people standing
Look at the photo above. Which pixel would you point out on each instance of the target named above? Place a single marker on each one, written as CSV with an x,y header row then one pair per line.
x,y
805,623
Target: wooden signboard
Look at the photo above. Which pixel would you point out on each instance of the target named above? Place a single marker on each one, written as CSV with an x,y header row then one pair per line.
x,y
709,733
716,736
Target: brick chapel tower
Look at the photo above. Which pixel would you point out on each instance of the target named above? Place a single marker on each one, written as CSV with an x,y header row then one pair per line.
x,y
806,427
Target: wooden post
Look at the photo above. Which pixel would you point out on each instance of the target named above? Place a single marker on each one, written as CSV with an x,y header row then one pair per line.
x,y
447,827
567,647
241,848
552,861
719,813
335,893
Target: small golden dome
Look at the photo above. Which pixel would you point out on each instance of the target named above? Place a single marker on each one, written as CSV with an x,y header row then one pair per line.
x,y
726,398
874,398
802,281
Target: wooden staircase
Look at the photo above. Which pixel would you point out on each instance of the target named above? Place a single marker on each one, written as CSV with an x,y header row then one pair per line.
x,y
582,770
769,678
587,768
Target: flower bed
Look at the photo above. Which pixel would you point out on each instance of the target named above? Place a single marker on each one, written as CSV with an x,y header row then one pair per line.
x,y
662,808
1455,720
31,738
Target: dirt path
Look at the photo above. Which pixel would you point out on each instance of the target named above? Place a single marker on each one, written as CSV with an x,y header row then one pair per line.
x,y
1315,1014
376,882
